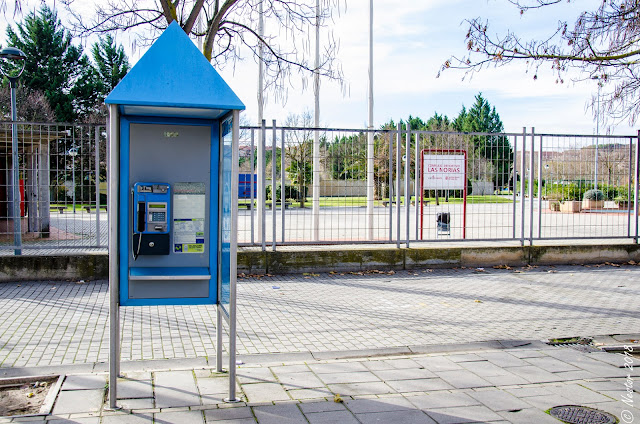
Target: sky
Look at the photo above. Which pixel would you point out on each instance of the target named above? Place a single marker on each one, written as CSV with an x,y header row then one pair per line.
x,y
411,42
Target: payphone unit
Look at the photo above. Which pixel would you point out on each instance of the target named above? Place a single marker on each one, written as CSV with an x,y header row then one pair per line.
x,y
152,212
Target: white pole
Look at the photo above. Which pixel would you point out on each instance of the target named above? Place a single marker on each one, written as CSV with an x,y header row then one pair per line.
x,y
370,150
260,168
595,177
260,63
316,137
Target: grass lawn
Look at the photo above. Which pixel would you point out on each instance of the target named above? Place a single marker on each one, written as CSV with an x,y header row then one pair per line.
x,y
362,201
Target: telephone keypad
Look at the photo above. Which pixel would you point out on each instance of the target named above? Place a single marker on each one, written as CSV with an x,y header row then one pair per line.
x,y
158,216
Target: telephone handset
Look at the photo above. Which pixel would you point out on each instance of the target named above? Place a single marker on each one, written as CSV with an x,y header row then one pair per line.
x,y
151,203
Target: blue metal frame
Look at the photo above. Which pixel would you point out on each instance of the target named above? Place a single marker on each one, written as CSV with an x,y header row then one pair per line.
x,y
126,213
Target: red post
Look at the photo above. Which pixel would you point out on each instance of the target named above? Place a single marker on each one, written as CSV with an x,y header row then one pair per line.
x,y
464,201
421,195
22,198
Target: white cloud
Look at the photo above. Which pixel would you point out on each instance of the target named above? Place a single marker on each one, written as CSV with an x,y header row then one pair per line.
x,y
412,40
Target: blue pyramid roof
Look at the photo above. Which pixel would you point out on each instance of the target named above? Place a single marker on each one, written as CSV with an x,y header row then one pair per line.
x,y
174,78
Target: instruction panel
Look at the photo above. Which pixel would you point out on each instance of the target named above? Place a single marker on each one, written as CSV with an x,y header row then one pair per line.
x,y
189,208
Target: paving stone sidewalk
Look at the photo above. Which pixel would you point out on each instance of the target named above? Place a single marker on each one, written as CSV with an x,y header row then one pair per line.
x,y
499,386
62,323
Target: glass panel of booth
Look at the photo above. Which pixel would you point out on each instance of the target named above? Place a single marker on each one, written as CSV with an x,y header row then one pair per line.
x,y
226,136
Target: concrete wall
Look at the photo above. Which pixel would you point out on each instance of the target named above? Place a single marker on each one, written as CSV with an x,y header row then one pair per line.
x,y
341,258
337,258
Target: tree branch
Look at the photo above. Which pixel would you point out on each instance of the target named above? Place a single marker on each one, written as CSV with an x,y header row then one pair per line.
x,y
197,7
169,10
603,43
214,26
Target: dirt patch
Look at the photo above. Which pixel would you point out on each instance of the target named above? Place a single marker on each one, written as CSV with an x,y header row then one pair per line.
x,y
24,399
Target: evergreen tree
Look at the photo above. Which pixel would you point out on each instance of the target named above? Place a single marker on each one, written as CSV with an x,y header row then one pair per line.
x,y
111,64
482,118
54,66
416,123
439,123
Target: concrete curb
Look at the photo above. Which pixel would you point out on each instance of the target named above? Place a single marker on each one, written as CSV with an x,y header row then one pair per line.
x,y
339,258
271,358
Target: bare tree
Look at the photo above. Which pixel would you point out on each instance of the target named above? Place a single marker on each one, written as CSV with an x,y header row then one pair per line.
x,y
603,44
613,164
229,27
32,105
299,152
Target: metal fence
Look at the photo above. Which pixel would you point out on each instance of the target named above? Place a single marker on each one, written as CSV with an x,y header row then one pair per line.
x,y
332,186
62,185
519,186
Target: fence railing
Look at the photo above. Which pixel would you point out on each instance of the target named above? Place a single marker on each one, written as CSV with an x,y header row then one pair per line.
x,y
62,178
333,186
519,186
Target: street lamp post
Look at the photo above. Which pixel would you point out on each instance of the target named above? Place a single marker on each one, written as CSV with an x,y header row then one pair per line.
x,y
13,61
73,152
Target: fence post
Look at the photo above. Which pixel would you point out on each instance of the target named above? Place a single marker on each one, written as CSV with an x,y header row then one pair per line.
x,y
398,157
416,177
407,194
514,181
252,193
635,185
540,189
391,190
282,190
523,178
531,182
630,183
316,186
274,165
262,183
97,178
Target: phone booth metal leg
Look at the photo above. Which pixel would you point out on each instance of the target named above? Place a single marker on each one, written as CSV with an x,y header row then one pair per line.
x,y
114,266
219,331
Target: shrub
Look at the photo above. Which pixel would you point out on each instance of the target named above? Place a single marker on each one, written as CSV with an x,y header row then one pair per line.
x,y
623,192
573,191
593,195
290,192
609,191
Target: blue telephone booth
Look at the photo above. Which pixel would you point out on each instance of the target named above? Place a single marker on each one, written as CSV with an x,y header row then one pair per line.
x,y
174,112
173,187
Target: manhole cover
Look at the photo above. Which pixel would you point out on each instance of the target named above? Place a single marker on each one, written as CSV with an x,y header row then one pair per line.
x,y
582,415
